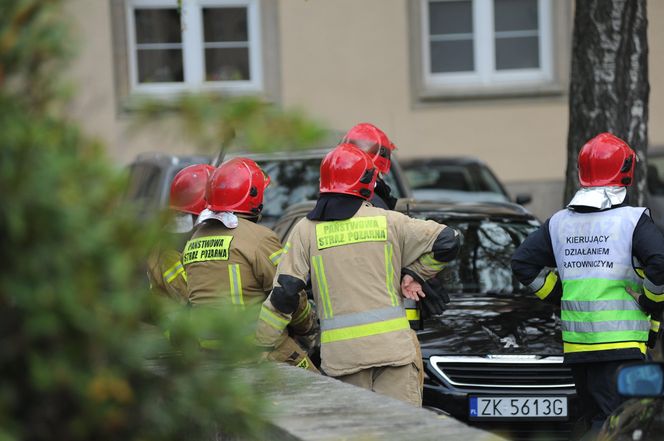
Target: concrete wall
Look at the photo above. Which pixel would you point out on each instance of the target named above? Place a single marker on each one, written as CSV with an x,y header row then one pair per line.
x,y
310,407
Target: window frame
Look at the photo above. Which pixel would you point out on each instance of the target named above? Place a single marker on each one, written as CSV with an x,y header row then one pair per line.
x,y
555,20
193,51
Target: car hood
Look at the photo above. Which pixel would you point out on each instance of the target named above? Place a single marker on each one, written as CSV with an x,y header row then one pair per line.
x,y
483,324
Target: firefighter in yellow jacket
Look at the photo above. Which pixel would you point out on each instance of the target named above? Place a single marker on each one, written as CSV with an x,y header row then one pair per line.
x,y
354,253
187,199
230,260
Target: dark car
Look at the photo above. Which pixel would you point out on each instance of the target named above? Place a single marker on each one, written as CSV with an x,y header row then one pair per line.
x,y
641,417
656,184
150,176
494,358
295,175
455,179
294,178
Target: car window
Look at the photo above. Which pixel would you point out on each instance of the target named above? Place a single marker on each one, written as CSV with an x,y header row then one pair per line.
x,y
456,177
292,181
483,263
145,186
297,180
656,175
391,180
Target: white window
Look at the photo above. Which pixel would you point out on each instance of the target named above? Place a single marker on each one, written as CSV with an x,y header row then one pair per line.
x,y
208,45
486,44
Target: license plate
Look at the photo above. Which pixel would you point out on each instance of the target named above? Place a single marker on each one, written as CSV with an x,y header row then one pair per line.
x,y
518,407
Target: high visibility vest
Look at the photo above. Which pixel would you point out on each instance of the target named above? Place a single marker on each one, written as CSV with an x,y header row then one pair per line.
x,y
593,253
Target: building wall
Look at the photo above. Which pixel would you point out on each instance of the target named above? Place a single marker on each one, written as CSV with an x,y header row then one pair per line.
x,y
346,61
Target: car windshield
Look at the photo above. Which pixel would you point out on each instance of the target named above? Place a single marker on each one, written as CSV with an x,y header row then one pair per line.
x,y
454,177
483,264
296,180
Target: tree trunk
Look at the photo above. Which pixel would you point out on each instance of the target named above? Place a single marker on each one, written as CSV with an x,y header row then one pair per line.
x,y
609,83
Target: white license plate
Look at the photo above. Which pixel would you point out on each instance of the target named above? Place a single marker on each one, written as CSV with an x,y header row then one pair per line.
x,y
518,407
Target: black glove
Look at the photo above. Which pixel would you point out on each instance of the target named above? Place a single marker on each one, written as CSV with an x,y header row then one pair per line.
x,y
384,191
436,294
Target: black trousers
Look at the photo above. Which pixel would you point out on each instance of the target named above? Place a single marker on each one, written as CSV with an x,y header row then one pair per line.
x,y
597,394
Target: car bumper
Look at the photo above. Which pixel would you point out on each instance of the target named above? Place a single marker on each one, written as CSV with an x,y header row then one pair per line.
x,y
456,403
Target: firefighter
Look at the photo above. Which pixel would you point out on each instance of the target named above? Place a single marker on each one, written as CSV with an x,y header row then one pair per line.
x,y
230,260
353,253
582,259
377,144
187,199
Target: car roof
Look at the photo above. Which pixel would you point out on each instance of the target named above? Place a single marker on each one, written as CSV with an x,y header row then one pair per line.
x,y
465,209
449,209
317,153
441,160
165,159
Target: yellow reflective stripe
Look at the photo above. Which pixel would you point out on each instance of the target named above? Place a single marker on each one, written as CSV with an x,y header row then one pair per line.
x,y
321,280
170,274
652,296
576,347
412,314
431,262
272,319
184,275
359,331
287,247
303,315
236,284
654,325
547,288
389,275
275,257
353,230
640,273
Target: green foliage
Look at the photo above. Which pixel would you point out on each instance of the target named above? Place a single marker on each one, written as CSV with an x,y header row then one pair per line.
x,y
78,361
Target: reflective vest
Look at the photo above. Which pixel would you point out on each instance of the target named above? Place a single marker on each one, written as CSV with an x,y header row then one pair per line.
x,y
593,253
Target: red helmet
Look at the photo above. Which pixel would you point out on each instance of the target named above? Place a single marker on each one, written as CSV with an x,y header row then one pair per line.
x,y
188,188
606,160
348,170
374,141
238,186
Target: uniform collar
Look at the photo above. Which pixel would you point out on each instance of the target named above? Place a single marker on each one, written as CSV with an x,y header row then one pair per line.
x,y
601,198
334,206
225,217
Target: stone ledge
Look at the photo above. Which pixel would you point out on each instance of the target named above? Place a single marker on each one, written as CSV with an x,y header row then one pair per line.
x,y
309,407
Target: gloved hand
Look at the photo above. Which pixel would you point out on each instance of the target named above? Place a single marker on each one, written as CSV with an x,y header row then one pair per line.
x,y
434,295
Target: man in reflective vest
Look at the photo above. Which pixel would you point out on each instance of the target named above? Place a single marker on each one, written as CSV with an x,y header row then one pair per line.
x,y
354,253
582,258
231,260
187,199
